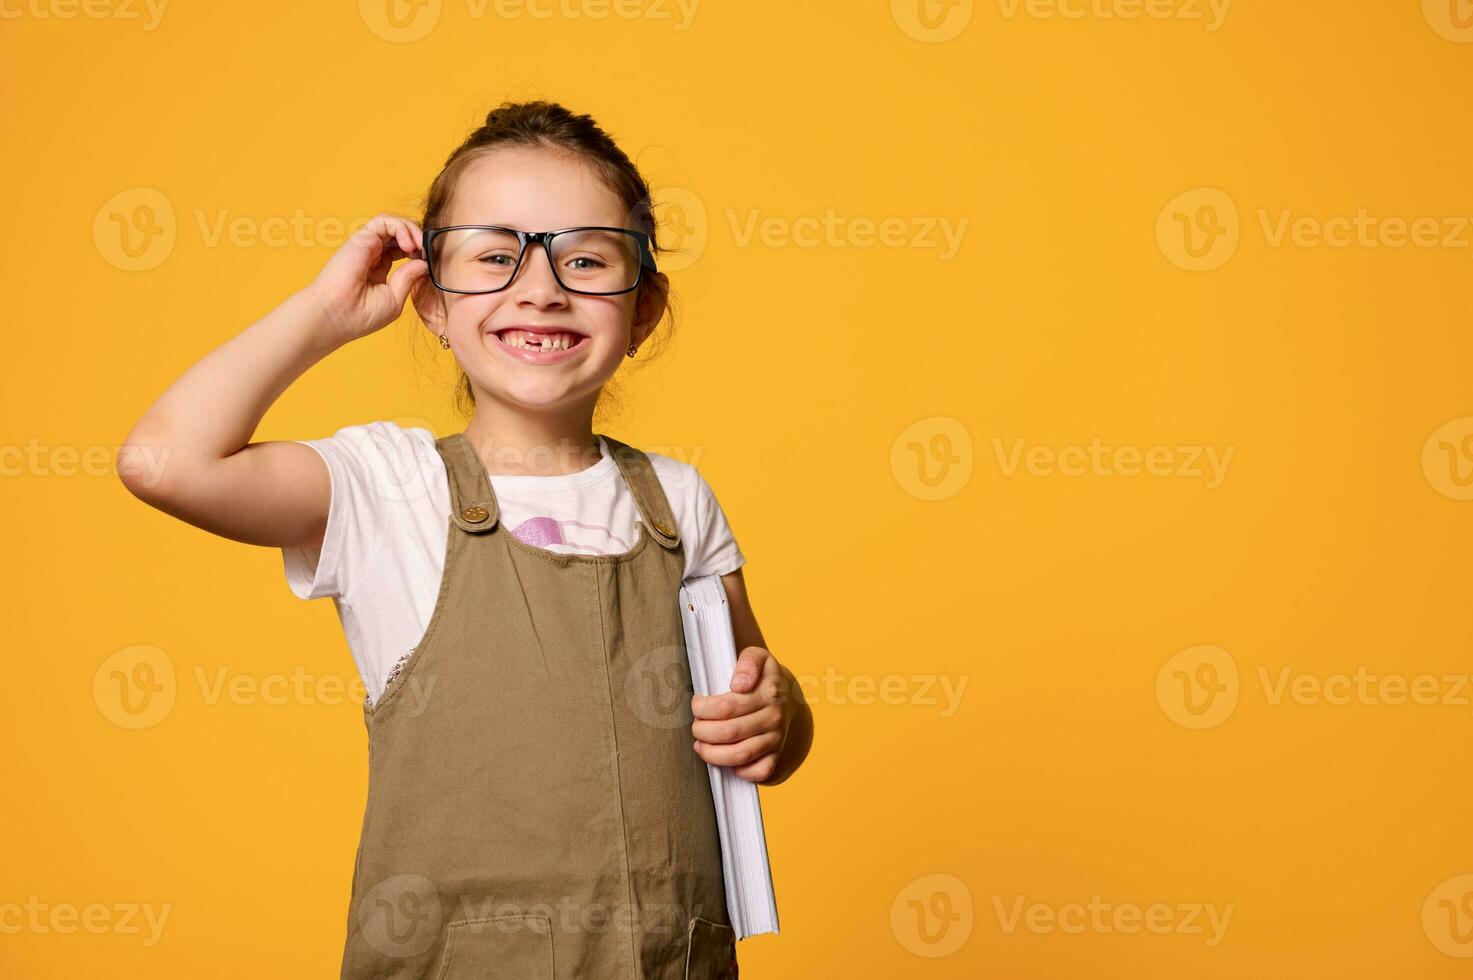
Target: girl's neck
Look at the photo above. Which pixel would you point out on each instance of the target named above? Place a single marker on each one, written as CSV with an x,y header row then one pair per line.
x,y
525,444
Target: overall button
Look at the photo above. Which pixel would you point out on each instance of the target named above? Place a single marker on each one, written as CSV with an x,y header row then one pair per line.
x,y
475,513
663,528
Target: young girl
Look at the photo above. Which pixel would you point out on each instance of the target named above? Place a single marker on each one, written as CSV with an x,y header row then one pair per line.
x,y
511,592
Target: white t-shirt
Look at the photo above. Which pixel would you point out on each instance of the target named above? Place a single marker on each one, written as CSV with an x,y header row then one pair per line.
x,y
383,551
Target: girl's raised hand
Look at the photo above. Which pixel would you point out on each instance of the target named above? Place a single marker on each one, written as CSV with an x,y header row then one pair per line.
x,y
355,290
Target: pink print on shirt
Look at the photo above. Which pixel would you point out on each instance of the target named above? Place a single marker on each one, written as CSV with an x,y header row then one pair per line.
x,y
544,532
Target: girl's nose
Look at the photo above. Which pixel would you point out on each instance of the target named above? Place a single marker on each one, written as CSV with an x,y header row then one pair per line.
x,y
534,281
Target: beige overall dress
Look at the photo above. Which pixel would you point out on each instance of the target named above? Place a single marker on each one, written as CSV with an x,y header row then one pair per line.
x,y
535,808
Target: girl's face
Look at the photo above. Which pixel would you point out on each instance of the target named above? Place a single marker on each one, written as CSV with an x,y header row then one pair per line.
x,y
539,190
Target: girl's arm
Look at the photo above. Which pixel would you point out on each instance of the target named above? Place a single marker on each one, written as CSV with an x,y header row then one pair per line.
x,y
190,455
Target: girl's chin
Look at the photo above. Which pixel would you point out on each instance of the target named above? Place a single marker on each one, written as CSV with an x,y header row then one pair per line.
x,y
532,394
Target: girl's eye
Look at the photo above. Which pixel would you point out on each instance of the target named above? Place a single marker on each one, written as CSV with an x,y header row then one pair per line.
x,y
499,259
594,263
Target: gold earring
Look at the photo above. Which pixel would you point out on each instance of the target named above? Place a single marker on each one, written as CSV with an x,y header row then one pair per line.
x,y
631,350
444,342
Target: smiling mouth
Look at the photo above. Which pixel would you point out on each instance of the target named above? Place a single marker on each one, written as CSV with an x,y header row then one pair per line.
x,y
526,340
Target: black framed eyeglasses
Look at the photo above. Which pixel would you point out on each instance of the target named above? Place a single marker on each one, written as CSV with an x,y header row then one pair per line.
x,y
594,260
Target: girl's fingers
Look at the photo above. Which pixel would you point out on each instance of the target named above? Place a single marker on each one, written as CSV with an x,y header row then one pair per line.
x,y
728,705
731,730
387,234
742,753
402,279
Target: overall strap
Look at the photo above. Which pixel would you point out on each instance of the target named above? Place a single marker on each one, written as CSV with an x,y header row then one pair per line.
x,y
649,495
472,504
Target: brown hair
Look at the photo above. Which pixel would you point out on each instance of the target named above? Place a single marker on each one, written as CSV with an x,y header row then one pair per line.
x,y
550,125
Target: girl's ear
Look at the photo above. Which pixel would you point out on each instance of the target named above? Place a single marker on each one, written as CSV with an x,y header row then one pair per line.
x,y
649,307
429,303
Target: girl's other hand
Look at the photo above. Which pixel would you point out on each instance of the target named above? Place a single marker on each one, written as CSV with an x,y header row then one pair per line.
x,y
747,727
355,291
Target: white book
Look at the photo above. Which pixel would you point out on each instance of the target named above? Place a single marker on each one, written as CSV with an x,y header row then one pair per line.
x,y
711,648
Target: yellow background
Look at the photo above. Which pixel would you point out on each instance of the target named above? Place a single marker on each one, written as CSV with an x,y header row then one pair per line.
x,y
1333,543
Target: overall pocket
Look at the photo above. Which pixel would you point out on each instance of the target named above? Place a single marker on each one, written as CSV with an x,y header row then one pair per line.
x,y
712,951
508,947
